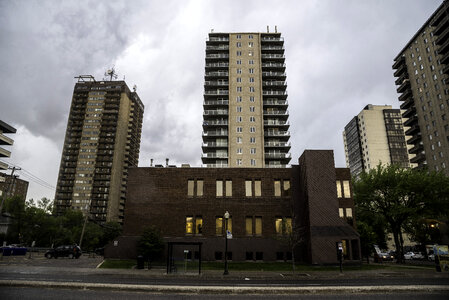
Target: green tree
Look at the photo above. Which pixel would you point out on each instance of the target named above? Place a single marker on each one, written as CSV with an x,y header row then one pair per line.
x,y
151,244
400,196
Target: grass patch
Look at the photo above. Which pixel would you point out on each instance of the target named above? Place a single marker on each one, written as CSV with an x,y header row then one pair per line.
x,y
118,264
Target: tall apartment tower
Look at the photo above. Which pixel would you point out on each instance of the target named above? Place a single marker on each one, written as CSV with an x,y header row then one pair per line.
x,y
5,140
245,120
374,136
102,141
422,71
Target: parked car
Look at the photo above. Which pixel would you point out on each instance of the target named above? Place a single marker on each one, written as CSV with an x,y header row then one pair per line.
x,y
418,255
409,255
431,257
70,251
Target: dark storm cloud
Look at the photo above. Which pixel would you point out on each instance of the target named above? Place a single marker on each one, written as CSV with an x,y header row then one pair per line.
x,y
338,55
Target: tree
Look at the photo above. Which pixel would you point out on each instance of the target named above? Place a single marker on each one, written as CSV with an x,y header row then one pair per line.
x,y
151,244
291,236
400,196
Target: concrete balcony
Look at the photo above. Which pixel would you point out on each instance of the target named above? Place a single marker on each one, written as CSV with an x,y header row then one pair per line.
x,y
215,123
274,93
215,133
274,83
216,92
4,140
277,133
216,103
215,145
277,144
279,75
214,155
273,65
217,74
216,83
3,166
218,39
217,165
4,153
275,112
218,48
277,155
218,112
274,102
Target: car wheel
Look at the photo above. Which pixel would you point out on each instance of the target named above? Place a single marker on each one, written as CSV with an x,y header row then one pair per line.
x,y
48,255
70,255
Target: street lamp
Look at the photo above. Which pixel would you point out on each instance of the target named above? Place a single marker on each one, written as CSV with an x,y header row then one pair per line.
x,y
226,215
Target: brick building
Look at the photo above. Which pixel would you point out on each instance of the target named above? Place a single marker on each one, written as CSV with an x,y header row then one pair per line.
x,y
188,205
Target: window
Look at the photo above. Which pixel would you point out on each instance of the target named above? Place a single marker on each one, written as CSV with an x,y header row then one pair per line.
x,y
189,225
219,225
239,61
228,188
252,140
252,119
251,71
239,71
239,162
252,129
251,89
219,187
238,36
198,225
251,99
253,162
248,188
250,53
249,255
251,79
341,212
252,151
286,187
239,119
249,225
239,150
250,36
251,62
239,53
259,255
348,212
346,189
199,187
252,109
239,79
250,44
258,227
239,99
257,188
239,109
239,129
190,186
239,140
283,225
239,89
277,188
339,194
239,44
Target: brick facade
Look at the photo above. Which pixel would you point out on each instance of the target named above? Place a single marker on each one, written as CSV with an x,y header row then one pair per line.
x,y
159,197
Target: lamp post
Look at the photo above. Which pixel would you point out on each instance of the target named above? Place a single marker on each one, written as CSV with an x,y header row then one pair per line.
x,y
226,216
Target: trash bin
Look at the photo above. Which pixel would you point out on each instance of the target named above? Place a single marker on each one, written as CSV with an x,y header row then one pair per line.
x,y
140,262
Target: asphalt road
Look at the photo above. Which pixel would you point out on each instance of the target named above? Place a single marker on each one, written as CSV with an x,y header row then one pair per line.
x,y
25,293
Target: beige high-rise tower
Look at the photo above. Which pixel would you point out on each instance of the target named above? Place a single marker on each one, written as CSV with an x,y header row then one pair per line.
x,y
245,120
102,141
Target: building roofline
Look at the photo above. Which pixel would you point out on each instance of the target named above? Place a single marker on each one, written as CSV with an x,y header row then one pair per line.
x,y
420,29
6,128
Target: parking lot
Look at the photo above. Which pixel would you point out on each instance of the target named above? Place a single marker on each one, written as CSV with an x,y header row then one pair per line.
x,y
38,259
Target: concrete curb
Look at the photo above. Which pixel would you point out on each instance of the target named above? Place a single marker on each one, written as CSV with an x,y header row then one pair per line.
x,y
257,290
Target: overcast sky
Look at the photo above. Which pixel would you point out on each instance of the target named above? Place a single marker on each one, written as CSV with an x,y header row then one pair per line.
x,y
338,56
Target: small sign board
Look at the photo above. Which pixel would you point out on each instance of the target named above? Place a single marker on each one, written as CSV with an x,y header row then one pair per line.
x,y
115,243
228,235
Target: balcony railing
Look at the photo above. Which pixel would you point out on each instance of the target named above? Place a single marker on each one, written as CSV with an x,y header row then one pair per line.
x,y
275,56
215,133
280,93
277,133
219,92
216,112
271,101
215,123
275,123
217,65
217,74
271,48
215,144
214,55
214,155
273,65
216,102
277,144
217,165
275,112
274,83
275,166
277,155
272,39
218,39
270,74
215,82
221,47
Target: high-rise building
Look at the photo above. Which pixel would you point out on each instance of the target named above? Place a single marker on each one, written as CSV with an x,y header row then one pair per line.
x,y
4,140
245,120
422,70
374,136
102,141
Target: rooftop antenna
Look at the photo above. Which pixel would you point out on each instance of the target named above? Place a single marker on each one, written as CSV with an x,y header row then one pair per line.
x,y
111,74
275,28
135,88
212,30
268,29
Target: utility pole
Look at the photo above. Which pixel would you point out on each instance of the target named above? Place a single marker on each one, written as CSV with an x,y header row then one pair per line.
x,y
11,184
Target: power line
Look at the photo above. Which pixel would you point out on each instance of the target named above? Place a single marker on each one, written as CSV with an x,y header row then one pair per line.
x,y
27,174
